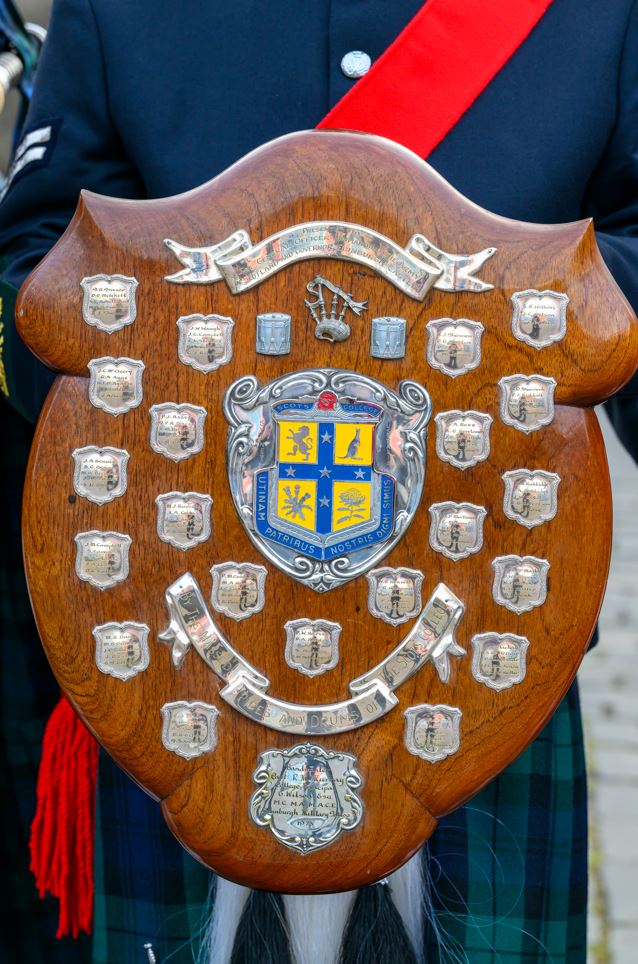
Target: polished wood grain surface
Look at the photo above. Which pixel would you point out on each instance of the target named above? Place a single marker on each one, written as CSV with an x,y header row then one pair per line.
x,y
367,181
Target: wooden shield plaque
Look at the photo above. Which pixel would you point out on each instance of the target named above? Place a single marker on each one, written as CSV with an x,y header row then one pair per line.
x,y
317,521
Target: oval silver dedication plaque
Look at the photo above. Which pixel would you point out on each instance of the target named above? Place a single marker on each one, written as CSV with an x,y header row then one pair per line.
x,y
394,595
121,649
99,474
432,732
539,318
312,645
456,528
183,518
115,384
189,729
499,659
177,431
238,589
109,301
527,401
454,347
463,438
531,497
102,557
205,341
520,582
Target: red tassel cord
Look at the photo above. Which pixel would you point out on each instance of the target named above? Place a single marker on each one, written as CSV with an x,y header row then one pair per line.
x,y
62,832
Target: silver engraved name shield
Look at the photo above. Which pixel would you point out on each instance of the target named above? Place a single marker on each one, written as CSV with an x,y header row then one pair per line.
x,y
463,438
312,645
109,301
183,518
432,732
387,339
189,729
326,469
99,474
539,318
454,347
456,528
205,341
238,589
102,557
527,401
306,795
394,595
115,384
121,649
273,334
177,431
520,582
498,659
531,497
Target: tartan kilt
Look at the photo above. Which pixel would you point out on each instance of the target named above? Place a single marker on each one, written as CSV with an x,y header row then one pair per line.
x,y
507,872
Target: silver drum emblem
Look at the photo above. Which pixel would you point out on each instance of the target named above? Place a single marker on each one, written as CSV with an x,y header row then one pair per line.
x,y
520,582
499,659
326,469
238,589
394,595
456,528
109,301
454,347
121,649
115,384
99,474
539,318
527,401
183,518
531,497
312,645
306,795
102,557
273,334
463,438
387,339
189,729
177,431
432,732
205,341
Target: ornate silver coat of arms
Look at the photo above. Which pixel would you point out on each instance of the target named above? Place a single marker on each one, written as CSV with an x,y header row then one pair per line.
x,y
326,469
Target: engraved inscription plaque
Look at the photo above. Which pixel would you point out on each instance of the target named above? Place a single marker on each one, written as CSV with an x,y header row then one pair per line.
x,y
189,729
177,431
205,341
102,557
527,401
531,497
238,589
499,659
115,384
183,518
456,528
539,318
463,438
121,649
520,582
454,347
99,474
394,595
432,732
312,645
109,301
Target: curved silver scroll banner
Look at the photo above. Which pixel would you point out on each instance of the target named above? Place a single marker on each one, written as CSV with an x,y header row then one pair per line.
x,y
413,269
432,638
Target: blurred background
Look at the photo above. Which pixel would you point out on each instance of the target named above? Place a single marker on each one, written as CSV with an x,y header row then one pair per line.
x,y
608,683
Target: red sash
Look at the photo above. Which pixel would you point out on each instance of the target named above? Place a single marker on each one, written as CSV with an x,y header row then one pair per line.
x,y
436,68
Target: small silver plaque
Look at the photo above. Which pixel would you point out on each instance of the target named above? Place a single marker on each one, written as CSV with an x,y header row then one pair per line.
x,y
102,557
463,438
99,474
527,401
306,795
329,308
205,341
432,732
394,595
387,339
539,317
499,659
189,729
115,384
520,582
531,497
183,518
273,334
177,431
312,645
121,649
456,528
109,301
238,589
454,347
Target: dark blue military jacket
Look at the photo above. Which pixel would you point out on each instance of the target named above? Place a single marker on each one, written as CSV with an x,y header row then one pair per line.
x,y
148,99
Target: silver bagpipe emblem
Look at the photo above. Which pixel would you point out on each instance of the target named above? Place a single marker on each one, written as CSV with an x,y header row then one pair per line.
x,y
326,469
329,323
